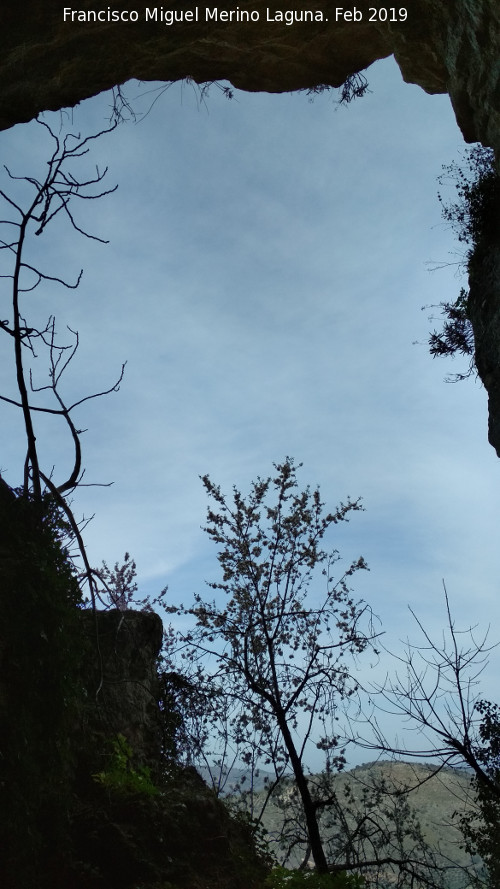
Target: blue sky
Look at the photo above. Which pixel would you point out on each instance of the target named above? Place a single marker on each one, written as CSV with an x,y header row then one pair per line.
x,y
268,260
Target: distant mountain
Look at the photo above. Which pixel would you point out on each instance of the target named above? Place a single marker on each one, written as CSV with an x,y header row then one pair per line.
x,y
234,780
436,797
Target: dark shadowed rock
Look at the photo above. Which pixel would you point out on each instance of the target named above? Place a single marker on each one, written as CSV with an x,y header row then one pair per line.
x,y
122,681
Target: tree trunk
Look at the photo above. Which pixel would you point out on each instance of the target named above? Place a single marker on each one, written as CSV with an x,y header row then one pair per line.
x,y
312,825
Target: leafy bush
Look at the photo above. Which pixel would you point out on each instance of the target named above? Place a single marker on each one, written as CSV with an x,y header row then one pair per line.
x,y
474,218
481,828
456,336
120,776
478,189
281,878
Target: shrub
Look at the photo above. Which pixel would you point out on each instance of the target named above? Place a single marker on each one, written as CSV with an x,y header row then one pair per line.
x,y
281,878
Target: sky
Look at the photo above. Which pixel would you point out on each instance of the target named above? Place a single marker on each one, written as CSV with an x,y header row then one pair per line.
x,y
268,260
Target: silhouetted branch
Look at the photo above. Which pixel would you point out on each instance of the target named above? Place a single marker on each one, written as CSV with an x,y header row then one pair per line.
x,y
49,196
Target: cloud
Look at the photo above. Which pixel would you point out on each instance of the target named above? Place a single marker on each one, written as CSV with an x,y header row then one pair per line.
x,y
264,279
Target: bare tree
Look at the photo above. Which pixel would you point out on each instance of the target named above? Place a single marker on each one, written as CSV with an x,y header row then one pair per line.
x,y
436,693
52,195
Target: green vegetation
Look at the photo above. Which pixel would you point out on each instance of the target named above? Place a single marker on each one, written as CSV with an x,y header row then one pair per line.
x,y
481,827
474,218
426,802
180,837
120,776
280,878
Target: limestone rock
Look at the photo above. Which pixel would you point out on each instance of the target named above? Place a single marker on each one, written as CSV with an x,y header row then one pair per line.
x,y
122,682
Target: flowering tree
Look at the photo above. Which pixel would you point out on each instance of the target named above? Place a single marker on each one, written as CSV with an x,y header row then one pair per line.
x,y
280,645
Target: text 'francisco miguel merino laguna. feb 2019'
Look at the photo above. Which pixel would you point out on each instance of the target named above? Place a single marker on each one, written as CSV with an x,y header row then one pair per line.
x,y
172,16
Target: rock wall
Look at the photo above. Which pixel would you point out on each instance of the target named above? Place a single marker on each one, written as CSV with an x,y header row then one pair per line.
x,y
484,312
122,839
121,681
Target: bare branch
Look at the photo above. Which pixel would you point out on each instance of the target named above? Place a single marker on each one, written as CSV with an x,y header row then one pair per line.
x,y
50,195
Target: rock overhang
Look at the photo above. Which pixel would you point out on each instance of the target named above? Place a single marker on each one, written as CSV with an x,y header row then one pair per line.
x,y
54,56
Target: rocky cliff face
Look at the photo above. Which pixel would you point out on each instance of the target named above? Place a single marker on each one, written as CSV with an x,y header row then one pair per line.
x,y
53,56
484,312
121,680
123,835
